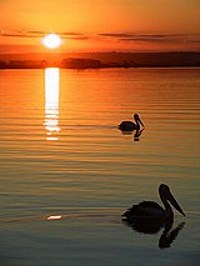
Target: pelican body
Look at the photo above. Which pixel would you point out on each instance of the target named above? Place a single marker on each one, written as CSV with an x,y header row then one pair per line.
x,y
150,210
130,125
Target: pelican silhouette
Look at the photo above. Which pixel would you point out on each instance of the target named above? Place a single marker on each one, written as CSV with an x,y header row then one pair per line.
x,y
129,125
149,217
150,210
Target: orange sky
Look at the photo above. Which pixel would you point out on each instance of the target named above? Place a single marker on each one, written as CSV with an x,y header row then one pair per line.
x,y
100,25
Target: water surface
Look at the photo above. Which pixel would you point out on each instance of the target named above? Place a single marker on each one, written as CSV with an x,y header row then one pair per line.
x,y
62,154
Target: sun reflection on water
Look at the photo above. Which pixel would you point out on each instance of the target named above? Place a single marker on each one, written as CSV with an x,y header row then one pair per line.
x,y
52,78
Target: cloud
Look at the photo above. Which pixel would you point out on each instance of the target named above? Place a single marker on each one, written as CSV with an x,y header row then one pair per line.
x,y
73,35
21,34
36,32
41,34
119,36
116,35
131,37
79,38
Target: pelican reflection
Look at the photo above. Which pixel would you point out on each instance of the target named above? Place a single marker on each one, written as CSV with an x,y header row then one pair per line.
x,y
168,235
52,78
136,135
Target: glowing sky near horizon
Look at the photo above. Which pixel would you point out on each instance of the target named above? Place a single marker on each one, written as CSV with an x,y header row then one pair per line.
x,y
94,25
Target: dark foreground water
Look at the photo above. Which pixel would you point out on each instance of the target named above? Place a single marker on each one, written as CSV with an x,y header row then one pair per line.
x,y
67,173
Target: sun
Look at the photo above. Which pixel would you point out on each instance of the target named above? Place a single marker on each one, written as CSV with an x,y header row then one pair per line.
x,y
51,41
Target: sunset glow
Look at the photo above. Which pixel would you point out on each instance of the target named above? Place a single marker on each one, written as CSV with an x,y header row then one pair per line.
x,y
126,25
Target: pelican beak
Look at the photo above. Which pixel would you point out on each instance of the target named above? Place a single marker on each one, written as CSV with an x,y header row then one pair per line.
x,y
175,204
140,121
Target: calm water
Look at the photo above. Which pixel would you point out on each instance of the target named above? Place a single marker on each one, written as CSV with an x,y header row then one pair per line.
x,y
62,155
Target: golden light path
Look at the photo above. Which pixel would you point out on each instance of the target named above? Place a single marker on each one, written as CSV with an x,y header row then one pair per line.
x,y
52,80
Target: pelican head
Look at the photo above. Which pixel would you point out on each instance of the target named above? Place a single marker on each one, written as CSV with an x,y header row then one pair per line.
x,y
166,195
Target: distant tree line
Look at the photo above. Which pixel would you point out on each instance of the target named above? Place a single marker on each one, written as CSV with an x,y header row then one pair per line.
x,y
116,60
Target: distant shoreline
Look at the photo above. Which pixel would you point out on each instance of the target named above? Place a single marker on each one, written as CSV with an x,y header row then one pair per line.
x,y
100,60
106,67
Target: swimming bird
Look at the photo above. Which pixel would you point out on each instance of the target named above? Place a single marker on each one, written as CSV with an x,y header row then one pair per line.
x,y
149,211
129,125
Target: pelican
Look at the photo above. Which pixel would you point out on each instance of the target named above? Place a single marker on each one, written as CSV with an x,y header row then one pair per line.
x,y
151,211
129,125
